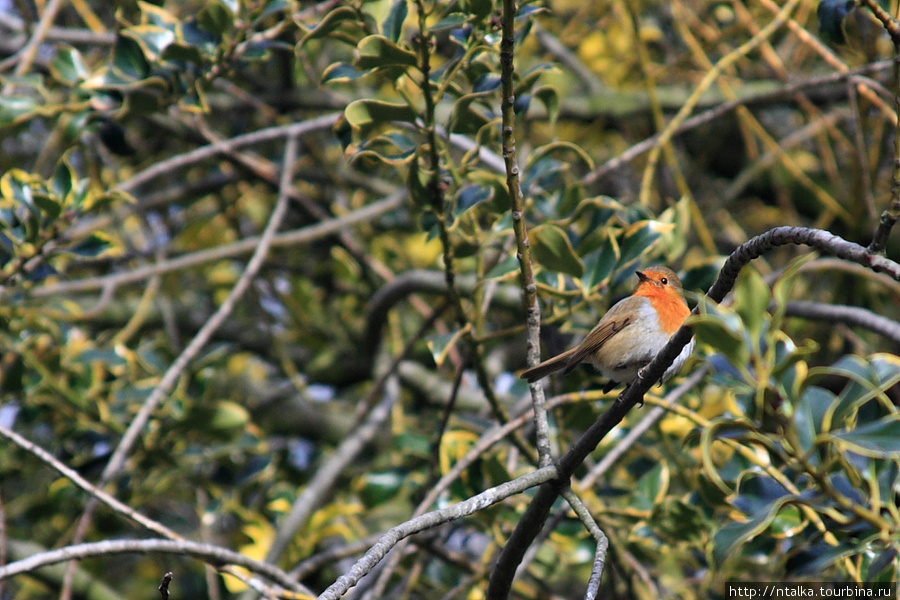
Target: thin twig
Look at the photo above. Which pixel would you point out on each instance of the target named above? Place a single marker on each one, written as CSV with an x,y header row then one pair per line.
x,y
523,244
891,215
593,587
721,110
710,76
27,55
164,586
109,500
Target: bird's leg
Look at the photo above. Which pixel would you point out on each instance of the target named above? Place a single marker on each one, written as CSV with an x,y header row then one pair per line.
x,y
622,393
640,377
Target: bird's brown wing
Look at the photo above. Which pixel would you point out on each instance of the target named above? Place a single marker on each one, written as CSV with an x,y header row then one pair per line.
x,y
598,336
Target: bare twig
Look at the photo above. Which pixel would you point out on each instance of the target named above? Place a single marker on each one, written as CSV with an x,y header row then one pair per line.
x,y
517,208
593,587
26,55
164,586
642,427
95,492
719,111
588,78
710,76
887,21
891,215
327,473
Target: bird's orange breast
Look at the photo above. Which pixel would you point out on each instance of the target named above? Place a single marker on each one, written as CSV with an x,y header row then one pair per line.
x,y
672,311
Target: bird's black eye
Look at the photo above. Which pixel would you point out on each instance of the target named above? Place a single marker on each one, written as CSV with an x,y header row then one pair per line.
x,y
664,281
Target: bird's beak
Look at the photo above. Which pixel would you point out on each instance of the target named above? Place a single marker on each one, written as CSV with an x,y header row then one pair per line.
x,y
642,276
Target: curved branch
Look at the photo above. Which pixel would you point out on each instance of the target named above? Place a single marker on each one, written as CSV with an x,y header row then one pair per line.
x,y
208,553
426,282
849,315
438,517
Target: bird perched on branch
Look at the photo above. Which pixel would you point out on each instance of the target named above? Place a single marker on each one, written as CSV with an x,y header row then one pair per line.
x,y
630,334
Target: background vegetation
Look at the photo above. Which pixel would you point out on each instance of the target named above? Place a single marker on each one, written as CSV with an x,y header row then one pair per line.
x,y
262,299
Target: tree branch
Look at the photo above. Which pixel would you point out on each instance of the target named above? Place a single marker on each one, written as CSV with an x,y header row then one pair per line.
x,y
213,555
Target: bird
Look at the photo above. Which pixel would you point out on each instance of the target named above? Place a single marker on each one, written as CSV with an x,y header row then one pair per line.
x,y
630,334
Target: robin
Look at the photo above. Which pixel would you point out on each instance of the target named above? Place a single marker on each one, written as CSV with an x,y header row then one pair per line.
x,y
630,334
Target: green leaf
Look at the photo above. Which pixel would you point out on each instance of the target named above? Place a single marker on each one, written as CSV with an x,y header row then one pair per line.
x,y
368,115
228,415
331,22
441,345
48,204
216,17
549,97
479,9
732,536
863,385
63,176
600,264
16,189
182,53
454,20
752,299
91,247
128,61
887,369
470,196
158,16
508,265
68,66
152,40
378,488
464,118
393,25
640,238
554,148
808,413
553,250
878,439
15,109
341,72
378,52
530,78
721,329
393,149
651,488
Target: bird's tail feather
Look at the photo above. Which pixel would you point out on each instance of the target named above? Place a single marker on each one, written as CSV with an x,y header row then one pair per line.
x,y
550,365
